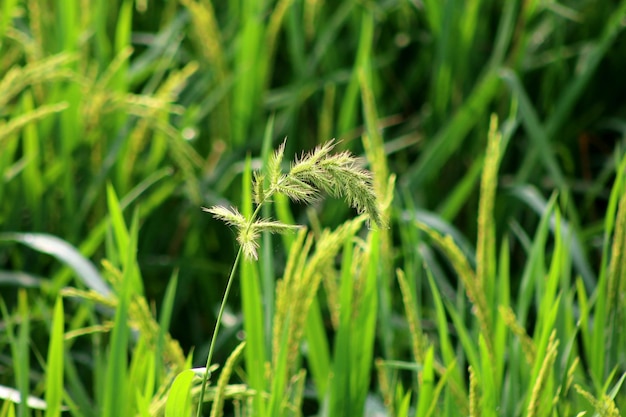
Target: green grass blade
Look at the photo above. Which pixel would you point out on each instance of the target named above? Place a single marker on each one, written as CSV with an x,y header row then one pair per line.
x,y
123,31
447,348
140,374
548,289
165,318
218,402
54,371
340,385
365,325
266,261
425,394
486,245
65,253
8,8
458,197
8,409
536,201
33,178
451,136
615,307
610,217
116,386
536,131
20,351
255,353
179,397
246,89
118,226
375,152
503,298
490,391
597,347
122,238
23,360
470,347
318,353
534,267
277,400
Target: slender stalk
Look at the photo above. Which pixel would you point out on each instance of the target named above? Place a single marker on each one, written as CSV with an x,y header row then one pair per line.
x,y
336,174
205,377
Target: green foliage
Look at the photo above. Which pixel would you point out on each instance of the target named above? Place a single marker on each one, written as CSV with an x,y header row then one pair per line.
x,y
482,142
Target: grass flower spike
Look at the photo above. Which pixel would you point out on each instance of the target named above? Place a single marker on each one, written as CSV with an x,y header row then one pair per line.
x,y
338,175
249,232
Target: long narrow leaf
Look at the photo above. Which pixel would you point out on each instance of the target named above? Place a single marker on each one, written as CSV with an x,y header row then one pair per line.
x,y
54,374
64,252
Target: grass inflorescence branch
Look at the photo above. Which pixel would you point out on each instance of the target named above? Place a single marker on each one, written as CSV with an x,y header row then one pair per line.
x,y
314,173
338,175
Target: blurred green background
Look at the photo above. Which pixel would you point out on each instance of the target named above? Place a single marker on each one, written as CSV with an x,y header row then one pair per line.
x,y
164,100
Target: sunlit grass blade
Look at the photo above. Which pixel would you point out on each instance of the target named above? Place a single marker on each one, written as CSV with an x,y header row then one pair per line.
x,y
490,392
246,92
54,371
123,240
142,377
165,318
179,398
123,31
118,226
349,108
255,353
218,401
457,384
33,178
425,396
418,340
473,287
272,170
503,298
364,333
318,353
485,245
278,380
20,353
8,409
340,387
615,307
535,264
375,152
539,398
116,387
8,8
64,252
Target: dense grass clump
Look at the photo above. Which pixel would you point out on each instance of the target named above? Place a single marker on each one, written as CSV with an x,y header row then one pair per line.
x,y
456,249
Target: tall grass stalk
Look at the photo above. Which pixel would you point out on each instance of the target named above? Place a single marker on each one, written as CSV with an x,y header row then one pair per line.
x,y
337,174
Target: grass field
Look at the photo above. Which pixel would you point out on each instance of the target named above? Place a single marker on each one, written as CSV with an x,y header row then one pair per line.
x,y
442,231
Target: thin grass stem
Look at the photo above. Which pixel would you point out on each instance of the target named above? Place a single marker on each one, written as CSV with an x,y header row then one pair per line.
x,y
205,376
231,278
